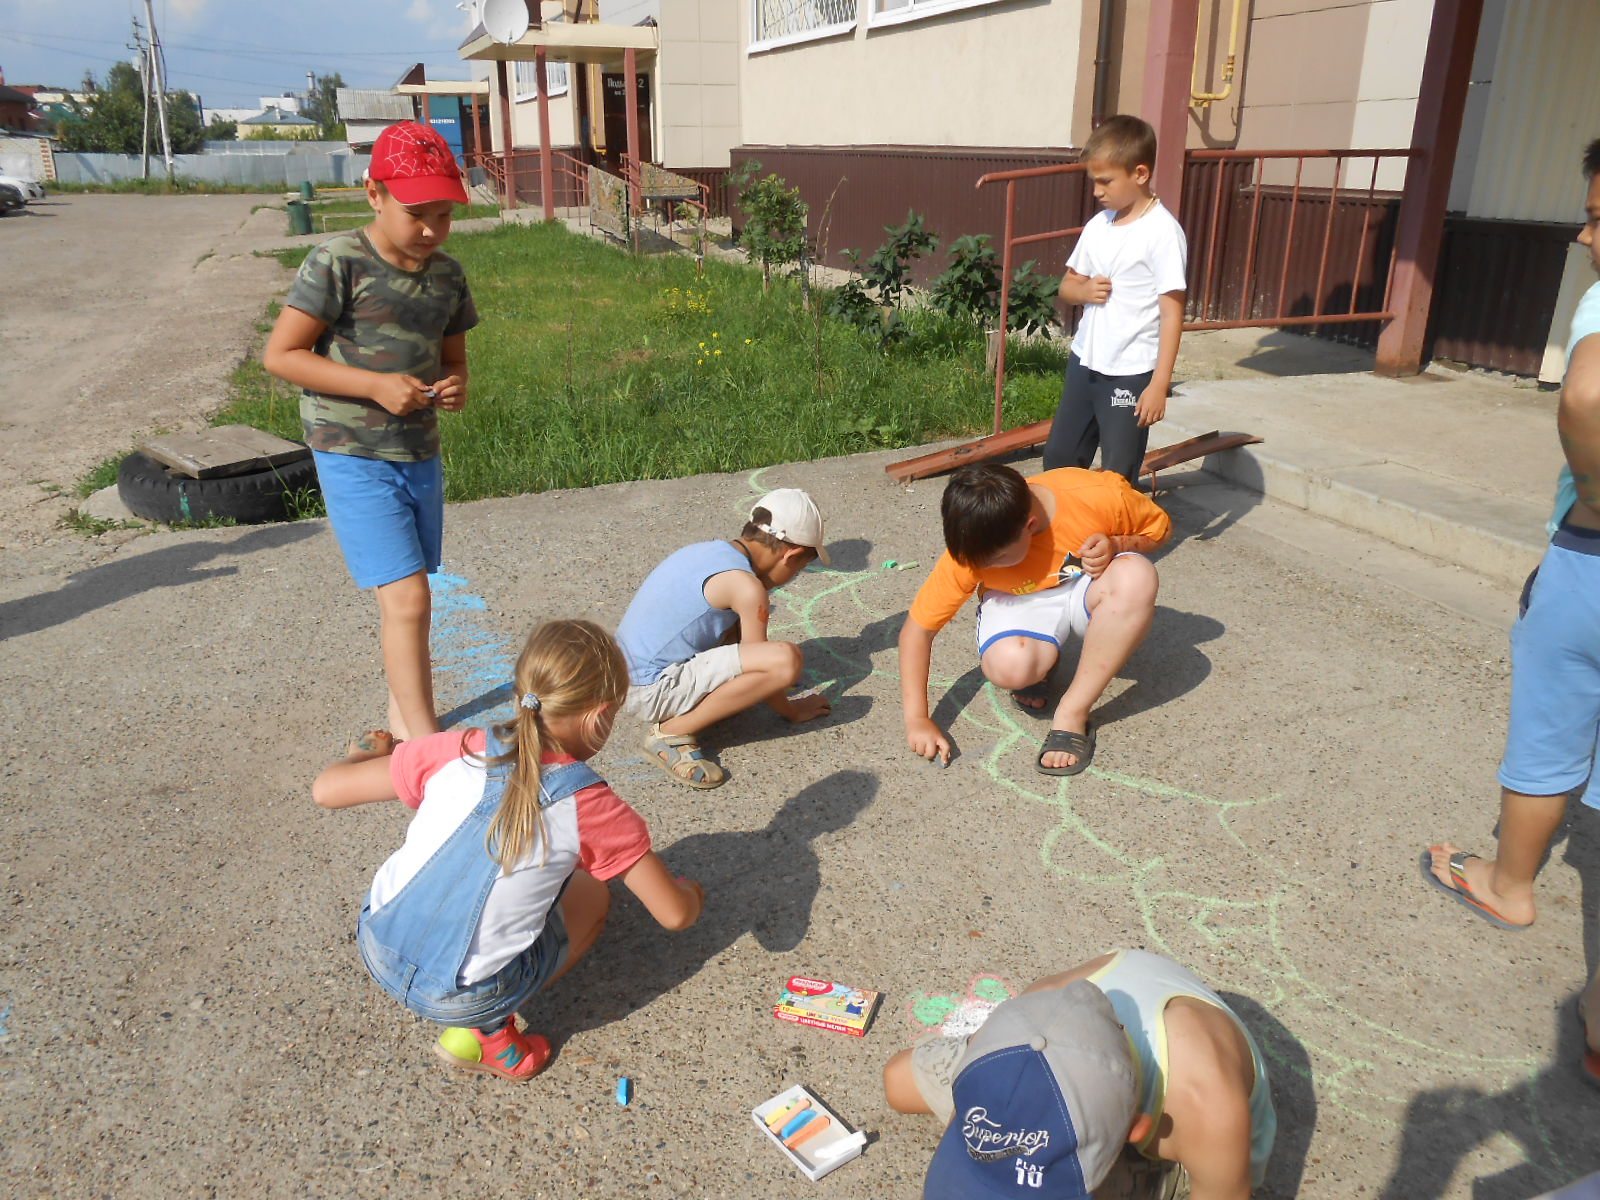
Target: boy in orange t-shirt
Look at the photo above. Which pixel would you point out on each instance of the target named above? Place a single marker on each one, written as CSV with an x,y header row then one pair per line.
x,y
1062,552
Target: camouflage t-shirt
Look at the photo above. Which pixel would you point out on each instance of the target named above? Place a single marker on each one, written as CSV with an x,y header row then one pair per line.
x,y
379,318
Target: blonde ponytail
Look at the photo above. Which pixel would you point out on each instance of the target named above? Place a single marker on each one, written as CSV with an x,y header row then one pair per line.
x,y
567,668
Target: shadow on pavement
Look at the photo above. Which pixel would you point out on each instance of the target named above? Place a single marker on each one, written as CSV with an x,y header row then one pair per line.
x,y
760,881
1551,1118
172,566
1293,1096
1243,488
1167,665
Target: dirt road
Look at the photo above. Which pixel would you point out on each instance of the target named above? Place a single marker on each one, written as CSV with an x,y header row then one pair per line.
x,y
123,315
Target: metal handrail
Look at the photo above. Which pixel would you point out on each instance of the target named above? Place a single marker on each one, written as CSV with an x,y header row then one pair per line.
x,y
1208,276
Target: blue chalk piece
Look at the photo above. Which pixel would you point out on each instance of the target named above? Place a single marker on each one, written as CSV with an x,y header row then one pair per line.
x,y
624,1090
796,1125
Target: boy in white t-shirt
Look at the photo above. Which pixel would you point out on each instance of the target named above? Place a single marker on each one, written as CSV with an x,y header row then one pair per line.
x,y
1127,271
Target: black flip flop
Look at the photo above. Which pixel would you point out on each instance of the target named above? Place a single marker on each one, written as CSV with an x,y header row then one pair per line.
x,y
1034,691
1067,742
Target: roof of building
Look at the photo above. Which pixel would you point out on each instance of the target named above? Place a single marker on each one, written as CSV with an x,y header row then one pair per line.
x,y
361,104
276,116
10,95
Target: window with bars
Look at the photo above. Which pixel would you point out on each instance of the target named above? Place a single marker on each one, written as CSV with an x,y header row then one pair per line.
x,y
890,12
786,20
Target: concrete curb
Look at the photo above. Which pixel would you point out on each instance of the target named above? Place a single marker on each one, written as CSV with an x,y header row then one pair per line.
x,y
1491,535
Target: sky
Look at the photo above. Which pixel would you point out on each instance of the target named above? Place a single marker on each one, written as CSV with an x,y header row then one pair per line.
x,y
232,52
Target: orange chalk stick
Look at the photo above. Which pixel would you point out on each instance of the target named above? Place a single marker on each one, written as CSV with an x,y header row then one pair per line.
x,y
811,1129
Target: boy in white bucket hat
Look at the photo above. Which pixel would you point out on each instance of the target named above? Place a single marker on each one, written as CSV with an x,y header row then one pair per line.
x,y
695,635
1095,1082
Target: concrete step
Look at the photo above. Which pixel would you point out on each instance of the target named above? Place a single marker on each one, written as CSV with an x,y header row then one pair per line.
x,y
1461,469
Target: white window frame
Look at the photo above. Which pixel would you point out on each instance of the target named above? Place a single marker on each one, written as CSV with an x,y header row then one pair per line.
x,y
793,39
527,87
917,10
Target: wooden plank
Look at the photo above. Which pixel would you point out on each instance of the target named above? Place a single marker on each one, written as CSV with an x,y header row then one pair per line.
x,y
224,450
981,450
1035,434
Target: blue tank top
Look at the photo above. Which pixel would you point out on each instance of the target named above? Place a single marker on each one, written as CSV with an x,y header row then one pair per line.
x,y
1139,984
670,620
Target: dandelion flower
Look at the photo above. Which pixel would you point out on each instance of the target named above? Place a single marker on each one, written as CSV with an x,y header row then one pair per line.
x,y
716,335
749,342
699,362
718,353
702,345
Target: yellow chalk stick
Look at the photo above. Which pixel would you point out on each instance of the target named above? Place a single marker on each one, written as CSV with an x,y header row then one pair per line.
x,y
781,1118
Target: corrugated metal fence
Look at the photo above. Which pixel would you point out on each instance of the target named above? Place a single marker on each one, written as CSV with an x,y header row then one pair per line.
x,y
266,167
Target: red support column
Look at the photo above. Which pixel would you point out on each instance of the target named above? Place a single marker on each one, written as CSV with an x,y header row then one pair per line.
x,y
509,196
547,186
630,72
1419,230
427,115
1169,65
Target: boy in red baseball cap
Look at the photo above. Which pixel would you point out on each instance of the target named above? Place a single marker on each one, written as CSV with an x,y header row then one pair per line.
x,y
374,332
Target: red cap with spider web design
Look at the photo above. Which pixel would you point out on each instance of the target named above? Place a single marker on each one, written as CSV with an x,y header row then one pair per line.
x,y
416,165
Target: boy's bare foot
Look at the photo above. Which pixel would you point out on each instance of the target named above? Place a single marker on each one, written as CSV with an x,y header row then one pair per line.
x,y
1473,881
1033,697
1072,723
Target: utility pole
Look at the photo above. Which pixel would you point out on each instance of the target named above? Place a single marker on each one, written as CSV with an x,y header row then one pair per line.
x,y
138,48
158,69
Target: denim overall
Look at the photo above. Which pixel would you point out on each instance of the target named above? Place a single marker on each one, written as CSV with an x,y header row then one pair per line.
x,y
415,945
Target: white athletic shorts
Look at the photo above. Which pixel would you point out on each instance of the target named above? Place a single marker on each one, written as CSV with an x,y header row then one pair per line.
x,y
1048,615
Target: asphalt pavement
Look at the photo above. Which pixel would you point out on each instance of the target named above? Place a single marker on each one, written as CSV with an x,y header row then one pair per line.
x,y
184,1013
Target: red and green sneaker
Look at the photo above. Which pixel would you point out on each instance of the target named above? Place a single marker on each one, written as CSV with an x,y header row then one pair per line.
x,y
507,1052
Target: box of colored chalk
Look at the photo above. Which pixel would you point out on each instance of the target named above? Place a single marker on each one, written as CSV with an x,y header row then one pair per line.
x,y
808,1133
827,1005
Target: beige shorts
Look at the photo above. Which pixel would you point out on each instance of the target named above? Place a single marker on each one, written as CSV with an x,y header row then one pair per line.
x,y
683,685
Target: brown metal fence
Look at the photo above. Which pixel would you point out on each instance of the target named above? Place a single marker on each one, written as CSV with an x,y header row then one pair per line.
x,y
1287,238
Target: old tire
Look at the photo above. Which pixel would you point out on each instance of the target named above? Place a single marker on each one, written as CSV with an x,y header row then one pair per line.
x,y
254,498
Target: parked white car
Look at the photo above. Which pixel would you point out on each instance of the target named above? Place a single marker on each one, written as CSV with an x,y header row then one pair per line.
x,y
31,189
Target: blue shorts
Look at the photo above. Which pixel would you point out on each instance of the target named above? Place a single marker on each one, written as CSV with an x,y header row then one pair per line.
x,y
388,516
1555,674
482,1005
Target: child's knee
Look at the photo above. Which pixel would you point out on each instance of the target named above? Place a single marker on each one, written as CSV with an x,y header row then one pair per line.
x,y
1133,578
406,599
782,660
1010,665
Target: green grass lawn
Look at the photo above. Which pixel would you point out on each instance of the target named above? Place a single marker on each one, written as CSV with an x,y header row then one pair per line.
x,y
334,215
590,366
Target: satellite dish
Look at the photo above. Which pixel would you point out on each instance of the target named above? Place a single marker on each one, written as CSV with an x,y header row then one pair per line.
x,y
505,20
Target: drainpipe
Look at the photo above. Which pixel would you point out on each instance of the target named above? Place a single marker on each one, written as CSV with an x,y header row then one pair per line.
x,y
1102,64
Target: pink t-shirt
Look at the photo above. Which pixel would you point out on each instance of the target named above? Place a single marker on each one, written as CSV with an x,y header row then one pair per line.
x,y
442,779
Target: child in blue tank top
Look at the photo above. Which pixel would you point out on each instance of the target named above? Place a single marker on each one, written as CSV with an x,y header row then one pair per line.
x,y
500,885
695,635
